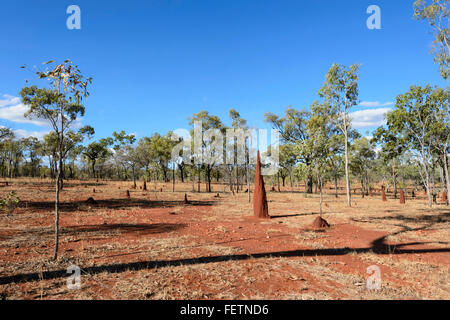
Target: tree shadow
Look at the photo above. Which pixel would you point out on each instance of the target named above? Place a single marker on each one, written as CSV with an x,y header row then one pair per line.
x,y
378,246
430,218
141,229
114,204
294,215
89,230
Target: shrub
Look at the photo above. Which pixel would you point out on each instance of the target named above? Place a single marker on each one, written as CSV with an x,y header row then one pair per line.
x,y
9,203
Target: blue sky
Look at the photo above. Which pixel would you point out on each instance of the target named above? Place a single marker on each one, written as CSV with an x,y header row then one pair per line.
x,y
154,63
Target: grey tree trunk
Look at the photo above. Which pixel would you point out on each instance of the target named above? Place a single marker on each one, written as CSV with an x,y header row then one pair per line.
x,y
447,178
347,178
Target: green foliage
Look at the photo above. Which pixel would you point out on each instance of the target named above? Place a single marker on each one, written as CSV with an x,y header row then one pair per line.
x,y
437,13
340,93
9,203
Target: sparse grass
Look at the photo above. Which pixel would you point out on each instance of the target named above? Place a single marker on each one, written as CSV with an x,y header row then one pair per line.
x,y
156,226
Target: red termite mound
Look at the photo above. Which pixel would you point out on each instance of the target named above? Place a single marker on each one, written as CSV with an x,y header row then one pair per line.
x,y
402,197
383,194
444,197
320,223
127,194
260,208
186,201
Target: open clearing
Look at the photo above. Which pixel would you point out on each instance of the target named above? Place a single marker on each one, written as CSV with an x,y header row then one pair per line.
x,y
153,246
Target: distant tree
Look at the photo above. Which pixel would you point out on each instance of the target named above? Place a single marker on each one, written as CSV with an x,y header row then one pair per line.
x,y
293,130
441,130
393,145
209,122
437,13
97,150
32,147
239,123
5,133
414,119
340,93
320,130
362,158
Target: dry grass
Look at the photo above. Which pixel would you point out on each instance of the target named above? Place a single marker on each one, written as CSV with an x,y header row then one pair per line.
x,y
206,243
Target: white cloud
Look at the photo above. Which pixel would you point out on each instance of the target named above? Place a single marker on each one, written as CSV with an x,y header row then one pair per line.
x,y
12,110
369,118
375,104
20,133
9,100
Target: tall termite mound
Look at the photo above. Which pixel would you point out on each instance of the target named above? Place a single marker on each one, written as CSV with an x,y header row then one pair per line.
x,y
402,197
260,208
383,194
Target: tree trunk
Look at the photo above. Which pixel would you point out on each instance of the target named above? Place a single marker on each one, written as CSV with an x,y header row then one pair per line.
x,y
447,178
248,179
336,186
199,180
173,179
394,178
347,178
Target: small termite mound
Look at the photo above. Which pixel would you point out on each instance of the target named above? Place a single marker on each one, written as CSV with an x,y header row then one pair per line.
x,y
320,223
91,201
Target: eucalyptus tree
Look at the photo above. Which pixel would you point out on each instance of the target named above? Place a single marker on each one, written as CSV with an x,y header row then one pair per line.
x,y
5,133
414,120
160,147
97,150
293,130
32,147
59,103
320,130
362,160
393,145
437,13
124,152
340,93
49,148
441,130
209,139
288,160
6,136
241,134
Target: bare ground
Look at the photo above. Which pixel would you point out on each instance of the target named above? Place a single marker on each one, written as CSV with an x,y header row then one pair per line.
x,y
153,246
